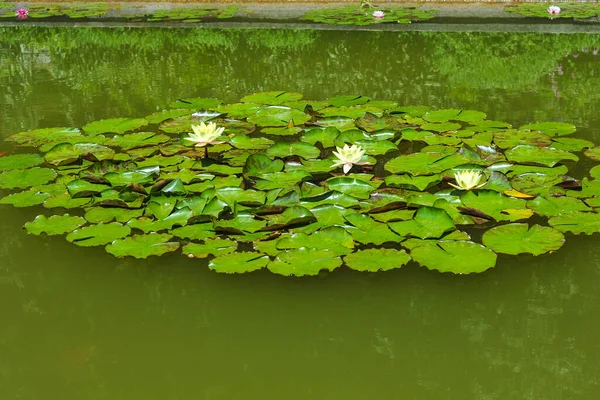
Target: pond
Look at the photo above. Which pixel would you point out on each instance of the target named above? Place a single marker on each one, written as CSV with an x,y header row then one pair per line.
x,y
82,324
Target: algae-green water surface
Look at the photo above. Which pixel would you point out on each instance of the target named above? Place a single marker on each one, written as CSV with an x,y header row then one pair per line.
x,y
81,324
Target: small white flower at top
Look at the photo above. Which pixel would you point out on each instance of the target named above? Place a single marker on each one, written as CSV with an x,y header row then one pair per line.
x,y
205,134
468,180
348,156
554,10
378,14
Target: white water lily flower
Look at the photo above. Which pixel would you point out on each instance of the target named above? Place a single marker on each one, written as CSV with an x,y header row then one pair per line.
x,y
378,14
468,180
554,10
205,134
348,156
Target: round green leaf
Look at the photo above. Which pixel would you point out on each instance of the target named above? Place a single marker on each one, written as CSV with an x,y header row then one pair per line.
x,y
304,261
458,257
114,125
97,235
373,260
519,238
215,247
55,225
142,246
20,161
24,178
545,156
278,116
238,263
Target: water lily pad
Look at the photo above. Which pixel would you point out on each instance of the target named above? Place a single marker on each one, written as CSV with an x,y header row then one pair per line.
x,y
278,116
238,263
246,143
520,238
98,235
571,144
333,238
453,114
351,186
512,138
20,161
25,199
38,137
325,136
55,225
304,262
496,205
420,183
140,139
374,260
424,163
429,222
65,201
577,222
551,128
271,98
82,188
24,178
96,215
66,153
292,216
545,156
215,247
458,257
593,153
114,125
142,246
301,149
365,230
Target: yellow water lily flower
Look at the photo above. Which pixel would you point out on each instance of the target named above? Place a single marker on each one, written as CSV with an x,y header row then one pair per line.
x,y
348,156
468,180
205,134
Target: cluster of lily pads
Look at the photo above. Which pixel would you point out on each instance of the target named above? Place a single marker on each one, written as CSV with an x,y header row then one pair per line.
x,y
367,14
582,10
47,10
301,186
100,9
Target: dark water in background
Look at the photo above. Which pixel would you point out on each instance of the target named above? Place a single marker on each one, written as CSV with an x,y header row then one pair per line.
x,y
78,323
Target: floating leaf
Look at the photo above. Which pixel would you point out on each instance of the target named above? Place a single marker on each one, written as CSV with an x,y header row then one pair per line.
x,y
66,153
55,225
24,178
142,246
278,116
98,235
374,260
429,222
301,149
271,98
551,128
238,263
304,261
495,204
25,199
520,238
577,222
20,161
114,125
458,257
545,156
215,247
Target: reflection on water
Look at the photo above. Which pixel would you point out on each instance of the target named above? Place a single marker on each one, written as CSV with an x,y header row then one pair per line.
x,y
80,324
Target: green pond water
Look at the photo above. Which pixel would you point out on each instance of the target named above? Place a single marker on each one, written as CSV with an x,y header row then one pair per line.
x,y
78,323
